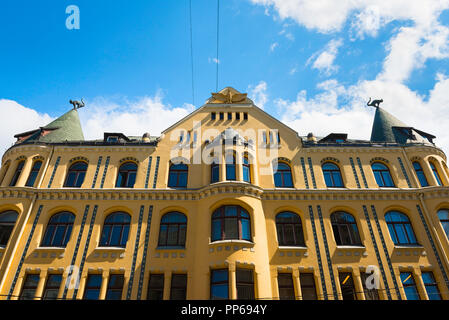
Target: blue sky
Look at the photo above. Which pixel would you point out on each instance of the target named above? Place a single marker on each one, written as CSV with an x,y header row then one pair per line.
x,y
312,64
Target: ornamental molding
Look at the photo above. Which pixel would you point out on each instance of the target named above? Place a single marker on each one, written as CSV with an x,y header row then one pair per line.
x,y
375,159
329,159
76,159
224,189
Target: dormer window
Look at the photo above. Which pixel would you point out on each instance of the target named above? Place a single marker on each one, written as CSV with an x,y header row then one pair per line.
x,y
112,139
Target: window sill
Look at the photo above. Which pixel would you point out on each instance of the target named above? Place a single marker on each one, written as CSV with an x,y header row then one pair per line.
x,y
350,247
110,249
233,241
51,249
410,246
170,248
294,248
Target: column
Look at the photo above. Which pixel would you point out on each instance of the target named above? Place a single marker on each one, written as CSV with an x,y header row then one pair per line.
x,y
420,284
358,285
167,285
297,285
40,285
232,282
104,285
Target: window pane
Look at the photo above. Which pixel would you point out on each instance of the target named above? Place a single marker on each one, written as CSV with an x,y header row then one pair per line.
x,y
115,237
219,291
278,180
286,288
216,230
328,179
156,287
246,230
378,177
246,175
288,182
231,228
131,180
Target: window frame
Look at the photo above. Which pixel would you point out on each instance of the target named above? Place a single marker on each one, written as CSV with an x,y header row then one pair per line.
x,y
34,173
393,225
282,172
6,228
152,288
282,287
419,171
381,173
246,166
124,226
432,284
214,283
231,168
52,226
214,167
125,174
330,173
298,239
243,283
343,226
17,173
219,214
180,242
310,287
77,181
347,289
180,287
49,287
444,222
27,287
405,276
114,288
89,287
436,174
172,171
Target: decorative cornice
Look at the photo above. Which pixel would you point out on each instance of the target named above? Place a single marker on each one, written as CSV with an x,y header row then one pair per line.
x,y
231,189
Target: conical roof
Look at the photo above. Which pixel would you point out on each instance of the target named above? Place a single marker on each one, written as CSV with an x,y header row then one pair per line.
x,y
65,128
383,125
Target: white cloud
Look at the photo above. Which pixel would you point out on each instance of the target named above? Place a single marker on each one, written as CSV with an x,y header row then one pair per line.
x,y
133,118
325,58
258,94
273,46
214,60
15,118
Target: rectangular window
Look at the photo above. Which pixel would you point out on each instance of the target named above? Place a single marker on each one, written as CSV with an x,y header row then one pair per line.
x,y
93,286
156,287
221,116
245,116
219,284
408,283
115,287
213,116
279,137
271,137
264,137
431,286
245,284
178,290
347,286
51,289
237,116
370,294
229,115
308,289
286,288
29,287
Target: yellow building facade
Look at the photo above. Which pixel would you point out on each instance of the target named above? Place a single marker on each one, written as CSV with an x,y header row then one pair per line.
x,y
227,203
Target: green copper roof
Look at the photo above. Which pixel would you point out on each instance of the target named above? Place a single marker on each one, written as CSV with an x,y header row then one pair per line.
x,y
383,127
66,128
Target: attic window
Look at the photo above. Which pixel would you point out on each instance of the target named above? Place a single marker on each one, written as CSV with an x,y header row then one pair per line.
x,y
229,115
237,116
213,115
221,116
245,116
112,139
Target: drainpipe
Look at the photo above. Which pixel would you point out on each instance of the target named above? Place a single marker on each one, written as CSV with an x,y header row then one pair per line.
x,y
21,232
435,234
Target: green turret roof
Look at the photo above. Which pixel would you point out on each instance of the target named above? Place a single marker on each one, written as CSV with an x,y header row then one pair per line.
x,y
383,126
65,128
388,128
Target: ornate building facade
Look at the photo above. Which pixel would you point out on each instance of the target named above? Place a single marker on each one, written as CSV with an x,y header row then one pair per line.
x,y
228,203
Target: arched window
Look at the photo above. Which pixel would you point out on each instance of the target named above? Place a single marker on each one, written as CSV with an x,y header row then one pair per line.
x,y
332,175
231,222
214,172
345,229
382,175
7,222
17,173
230,167
58,230
420,174
33,173
435,173
443,215
126,177
177,176
115,230
283,176
173,230
400,228
246,166
76,174
289,229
